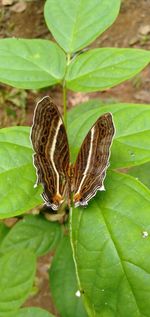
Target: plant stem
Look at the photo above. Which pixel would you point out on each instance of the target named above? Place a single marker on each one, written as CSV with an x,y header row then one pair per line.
x,y
65,94
65,104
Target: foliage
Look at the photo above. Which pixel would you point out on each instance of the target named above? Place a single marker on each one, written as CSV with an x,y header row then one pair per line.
x,y
65,285
110,238
17,271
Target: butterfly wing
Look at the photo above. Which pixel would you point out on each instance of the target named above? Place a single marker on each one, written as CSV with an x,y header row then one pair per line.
x,y
93,160
51,158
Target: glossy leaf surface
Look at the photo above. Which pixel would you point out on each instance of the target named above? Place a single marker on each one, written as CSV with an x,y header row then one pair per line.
x,y
103,68
111,245
63,282
17,175
17,271
31,64
34,233
75,24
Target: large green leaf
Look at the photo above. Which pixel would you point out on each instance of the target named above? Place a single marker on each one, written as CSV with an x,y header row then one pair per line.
x,y
131,144
103,68
33,312
34,233
111,247
75,24
17,175
31,64
17,271
63,282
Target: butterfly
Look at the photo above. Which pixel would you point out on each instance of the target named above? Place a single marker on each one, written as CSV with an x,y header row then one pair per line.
x,y
61,180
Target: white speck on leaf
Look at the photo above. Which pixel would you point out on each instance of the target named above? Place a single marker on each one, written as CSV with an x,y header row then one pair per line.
x,y
78,293
144,234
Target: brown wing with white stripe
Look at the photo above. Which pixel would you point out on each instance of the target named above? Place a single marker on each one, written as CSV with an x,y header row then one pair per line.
x,y
93,160
51,158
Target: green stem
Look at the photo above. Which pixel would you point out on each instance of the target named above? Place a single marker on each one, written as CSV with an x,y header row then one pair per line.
x,y
65,94
65,104
73,246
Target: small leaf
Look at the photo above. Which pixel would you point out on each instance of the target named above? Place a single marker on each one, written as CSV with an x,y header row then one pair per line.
x,y
17,271
131,144
111,241
75,24
31,64
103,68
63,282
17,174
34,233
33,312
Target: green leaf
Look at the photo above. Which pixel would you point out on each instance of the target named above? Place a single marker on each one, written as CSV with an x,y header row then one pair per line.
x,y
103,68
3,231
31,64
33,312
142,173
34,233
63,282
17,174
131,144
17,271
111,242
75,24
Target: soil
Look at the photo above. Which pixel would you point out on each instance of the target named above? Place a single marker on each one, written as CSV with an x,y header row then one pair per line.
x,y
131,29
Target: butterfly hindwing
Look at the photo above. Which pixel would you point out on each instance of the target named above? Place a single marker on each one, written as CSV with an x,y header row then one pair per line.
x,y
51,158
93,160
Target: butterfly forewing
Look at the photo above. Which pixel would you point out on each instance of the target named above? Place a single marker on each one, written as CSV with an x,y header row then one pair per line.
x,y
93,160
51,158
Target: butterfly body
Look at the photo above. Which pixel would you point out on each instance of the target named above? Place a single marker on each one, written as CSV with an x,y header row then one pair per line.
x,y
59,178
